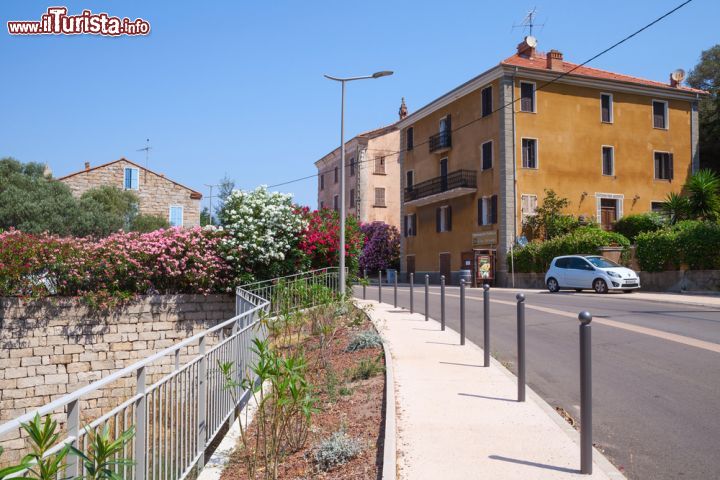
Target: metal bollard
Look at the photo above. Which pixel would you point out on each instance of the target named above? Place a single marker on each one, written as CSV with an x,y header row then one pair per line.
x,y
486,323
462,312
442,302
585,393
364,284
379,286
427,295
521,345
395,290
412,286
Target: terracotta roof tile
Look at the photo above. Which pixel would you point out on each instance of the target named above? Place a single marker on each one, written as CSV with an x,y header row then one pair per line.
x,y
539,62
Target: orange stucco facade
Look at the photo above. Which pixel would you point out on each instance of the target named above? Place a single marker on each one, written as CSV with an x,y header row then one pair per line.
x,y
569,135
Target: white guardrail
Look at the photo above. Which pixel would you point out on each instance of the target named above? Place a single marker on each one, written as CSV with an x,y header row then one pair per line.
x,y
180,403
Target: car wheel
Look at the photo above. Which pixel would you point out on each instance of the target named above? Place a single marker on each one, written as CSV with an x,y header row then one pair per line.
x,y
552,285
600,286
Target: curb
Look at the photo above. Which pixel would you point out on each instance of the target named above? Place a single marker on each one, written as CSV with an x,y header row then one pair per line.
x,y
599,458
389,468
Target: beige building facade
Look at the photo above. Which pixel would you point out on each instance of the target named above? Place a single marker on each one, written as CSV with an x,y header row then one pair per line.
x,y
372,177
476,162
158,194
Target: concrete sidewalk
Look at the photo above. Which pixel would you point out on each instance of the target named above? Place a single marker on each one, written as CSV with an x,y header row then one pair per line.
x,y
459,420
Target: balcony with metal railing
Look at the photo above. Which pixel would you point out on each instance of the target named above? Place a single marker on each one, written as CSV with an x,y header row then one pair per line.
x,y
440,142
444,187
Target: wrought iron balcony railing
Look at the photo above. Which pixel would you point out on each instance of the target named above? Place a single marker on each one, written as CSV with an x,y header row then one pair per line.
x,y
440,141
443,183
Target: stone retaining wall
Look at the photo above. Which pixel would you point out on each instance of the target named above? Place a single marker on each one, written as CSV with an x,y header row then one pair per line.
x,y
52,347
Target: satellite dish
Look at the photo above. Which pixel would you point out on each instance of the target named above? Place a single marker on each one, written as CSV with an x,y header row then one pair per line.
x,y
678,75
531,41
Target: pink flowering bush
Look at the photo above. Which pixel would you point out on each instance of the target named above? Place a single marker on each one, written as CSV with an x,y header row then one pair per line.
x,y
381,249
114,268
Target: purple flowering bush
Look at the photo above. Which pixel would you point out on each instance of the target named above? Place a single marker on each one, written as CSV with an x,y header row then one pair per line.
x,y
382,247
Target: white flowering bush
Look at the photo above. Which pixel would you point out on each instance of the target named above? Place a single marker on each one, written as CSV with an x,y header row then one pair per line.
x,y
263,231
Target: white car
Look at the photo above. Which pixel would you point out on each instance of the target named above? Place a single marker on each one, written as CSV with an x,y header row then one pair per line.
x,y
590,271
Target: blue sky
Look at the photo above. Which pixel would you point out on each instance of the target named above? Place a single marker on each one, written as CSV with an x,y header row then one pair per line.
x,y
236,88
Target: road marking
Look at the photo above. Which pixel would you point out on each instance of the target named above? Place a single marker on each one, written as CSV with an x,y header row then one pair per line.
x,y
673,337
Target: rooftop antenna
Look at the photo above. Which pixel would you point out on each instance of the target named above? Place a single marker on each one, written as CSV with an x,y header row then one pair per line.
x,y
146,149
529,22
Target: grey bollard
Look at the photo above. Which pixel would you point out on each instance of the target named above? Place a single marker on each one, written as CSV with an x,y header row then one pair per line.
x,y
486,323
379,286
412,296
442,302
521,345
395,290
585,393
462,312
427,295
364,284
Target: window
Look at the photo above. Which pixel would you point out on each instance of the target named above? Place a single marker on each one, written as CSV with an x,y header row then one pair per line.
x,y
336,203
322,204
410,225
562,262
487,105
657,207
443,219
176,216
322,182
379,197
529,153
527,97
336,174
528,205
660,114
608,161
409,179
132,178
410,138
487,210
606,108
380,165
663,166
487,152
577,263
352,198
352,167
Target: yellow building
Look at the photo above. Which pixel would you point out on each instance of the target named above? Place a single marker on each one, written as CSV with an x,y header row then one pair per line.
x,y
476,161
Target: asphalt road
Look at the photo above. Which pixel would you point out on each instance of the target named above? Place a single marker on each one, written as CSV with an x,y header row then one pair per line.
x,y
656,369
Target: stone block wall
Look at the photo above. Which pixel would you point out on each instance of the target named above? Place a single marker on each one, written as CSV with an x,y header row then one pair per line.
x,y
49,348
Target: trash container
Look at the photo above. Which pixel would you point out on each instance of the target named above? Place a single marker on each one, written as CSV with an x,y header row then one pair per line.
x,y
467,276
391,274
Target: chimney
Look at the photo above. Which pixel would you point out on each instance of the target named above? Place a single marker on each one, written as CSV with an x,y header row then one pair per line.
x,y
555,60
87,165
526,48
403,109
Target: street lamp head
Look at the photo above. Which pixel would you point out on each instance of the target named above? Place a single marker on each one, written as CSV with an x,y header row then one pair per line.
x,y
384,73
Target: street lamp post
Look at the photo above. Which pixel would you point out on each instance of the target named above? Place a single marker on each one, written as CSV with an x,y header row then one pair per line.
x,y
342,163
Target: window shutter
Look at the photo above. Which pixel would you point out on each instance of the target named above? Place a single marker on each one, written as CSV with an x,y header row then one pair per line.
x,y
670,166
413,224
410,138
405,225
449,218
437,219
448,124
480,211
493,209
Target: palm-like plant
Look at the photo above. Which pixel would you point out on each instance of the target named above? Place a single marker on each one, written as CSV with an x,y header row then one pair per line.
x,y
104,458
703,200
675,207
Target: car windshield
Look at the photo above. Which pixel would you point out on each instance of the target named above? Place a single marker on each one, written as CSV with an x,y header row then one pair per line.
x,y
602,262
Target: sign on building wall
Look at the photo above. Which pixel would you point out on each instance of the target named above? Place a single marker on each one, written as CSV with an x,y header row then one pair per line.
x,y
485,238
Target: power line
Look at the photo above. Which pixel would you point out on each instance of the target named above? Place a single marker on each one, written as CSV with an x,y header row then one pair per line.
x,y
564,74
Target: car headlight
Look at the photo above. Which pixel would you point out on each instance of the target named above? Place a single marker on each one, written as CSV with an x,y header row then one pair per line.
x,y
614,274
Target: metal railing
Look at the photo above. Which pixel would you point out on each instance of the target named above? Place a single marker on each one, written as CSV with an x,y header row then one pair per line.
x,y
456,179
180,403
440,141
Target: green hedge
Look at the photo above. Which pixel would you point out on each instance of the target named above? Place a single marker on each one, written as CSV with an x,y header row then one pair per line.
x,y
633,225
691,243
536,256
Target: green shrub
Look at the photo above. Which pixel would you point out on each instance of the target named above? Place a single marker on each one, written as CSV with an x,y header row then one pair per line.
x,y
335,450
693,243
632,225
148,223
363,340
536,256
365,369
